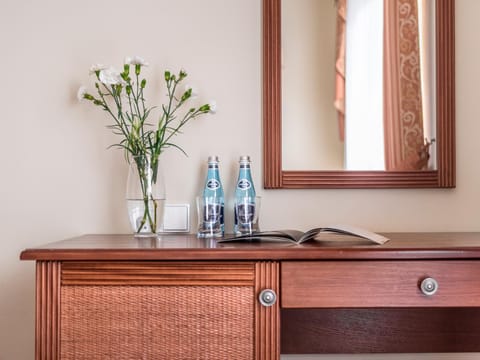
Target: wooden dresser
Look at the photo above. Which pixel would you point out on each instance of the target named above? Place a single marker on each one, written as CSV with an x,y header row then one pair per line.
x,y
179,297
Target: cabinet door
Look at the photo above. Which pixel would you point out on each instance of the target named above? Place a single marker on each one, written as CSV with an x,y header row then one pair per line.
x,y
159,310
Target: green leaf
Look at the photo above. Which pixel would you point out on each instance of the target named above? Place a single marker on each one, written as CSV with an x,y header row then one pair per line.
x,y
177,147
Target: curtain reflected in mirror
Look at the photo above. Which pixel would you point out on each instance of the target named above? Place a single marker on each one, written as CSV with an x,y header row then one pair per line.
x,y
358,85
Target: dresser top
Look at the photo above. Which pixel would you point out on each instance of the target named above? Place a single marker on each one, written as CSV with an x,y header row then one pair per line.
x,y
440,245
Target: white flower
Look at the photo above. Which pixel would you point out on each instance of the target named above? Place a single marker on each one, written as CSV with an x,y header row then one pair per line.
x,y
194,91
96,67
213,107
110,76
136,60
81,93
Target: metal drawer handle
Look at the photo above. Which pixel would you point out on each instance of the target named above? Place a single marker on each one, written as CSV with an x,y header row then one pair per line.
x,y
429,286
267,297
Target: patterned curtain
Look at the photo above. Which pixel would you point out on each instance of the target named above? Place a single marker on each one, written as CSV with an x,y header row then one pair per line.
x,y
405,146
339,102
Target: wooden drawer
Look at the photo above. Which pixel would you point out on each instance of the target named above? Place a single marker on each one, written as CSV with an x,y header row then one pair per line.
x,y
364,284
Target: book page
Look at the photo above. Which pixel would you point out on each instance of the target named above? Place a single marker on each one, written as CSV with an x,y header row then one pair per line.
x,y
357,231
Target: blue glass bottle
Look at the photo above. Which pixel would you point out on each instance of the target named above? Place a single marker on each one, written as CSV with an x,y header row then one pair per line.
x,y
213,202
244,208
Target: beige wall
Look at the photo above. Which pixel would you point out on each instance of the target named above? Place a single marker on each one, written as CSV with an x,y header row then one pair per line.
x,y
310,131
58,180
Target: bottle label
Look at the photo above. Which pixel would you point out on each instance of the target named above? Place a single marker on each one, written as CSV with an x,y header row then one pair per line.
x,y
244,184
213,184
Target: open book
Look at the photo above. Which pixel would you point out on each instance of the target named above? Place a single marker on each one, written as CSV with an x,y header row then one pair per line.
x,y
300,237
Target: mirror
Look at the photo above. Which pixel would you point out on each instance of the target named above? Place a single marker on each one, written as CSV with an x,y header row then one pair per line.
x,y
432,160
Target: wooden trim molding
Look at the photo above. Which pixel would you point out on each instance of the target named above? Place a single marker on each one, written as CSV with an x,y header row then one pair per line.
x,y
272,97
267,319
157,273
445,47
187,247
275,177
47,315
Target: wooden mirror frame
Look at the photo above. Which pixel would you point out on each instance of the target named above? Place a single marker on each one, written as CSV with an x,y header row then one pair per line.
x,y
275,177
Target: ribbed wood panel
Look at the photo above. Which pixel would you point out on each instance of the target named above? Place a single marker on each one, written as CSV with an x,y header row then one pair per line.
x,y
157,322
359,179
47,310
445,48
272,102
267,319
158,273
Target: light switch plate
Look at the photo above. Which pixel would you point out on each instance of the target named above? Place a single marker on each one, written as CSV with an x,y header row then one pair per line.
x,y
176,218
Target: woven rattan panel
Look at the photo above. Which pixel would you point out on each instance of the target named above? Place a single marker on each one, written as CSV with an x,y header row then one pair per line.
x,y
157,322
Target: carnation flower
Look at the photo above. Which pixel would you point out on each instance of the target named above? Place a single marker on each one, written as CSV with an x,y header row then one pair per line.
x,y
136,60
81,93
110,76
213,107
96,67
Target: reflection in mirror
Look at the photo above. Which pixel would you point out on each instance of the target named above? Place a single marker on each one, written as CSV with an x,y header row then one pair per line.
x,y
431,163
358,89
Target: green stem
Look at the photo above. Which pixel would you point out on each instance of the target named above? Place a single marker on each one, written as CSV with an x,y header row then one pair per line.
x,y
118,120
143,168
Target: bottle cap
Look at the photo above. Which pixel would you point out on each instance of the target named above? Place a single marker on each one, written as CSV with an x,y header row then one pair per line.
x,y
213,159
244,159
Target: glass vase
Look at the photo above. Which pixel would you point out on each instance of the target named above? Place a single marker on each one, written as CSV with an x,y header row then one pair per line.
x,y
145,195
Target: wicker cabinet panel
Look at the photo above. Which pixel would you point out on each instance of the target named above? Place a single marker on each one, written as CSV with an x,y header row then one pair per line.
x,y
157,322
156,310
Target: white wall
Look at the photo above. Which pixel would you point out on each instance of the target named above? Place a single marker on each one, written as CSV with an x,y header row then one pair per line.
x,y
364,133
58,180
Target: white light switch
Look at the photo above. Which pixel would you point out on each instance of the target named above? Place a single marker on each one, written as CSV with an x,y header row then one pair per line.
x,y
177,218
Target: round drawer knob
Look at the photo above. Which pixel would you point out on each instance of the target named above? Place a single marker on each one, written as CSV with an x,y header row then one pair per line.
x,y
429,286
267,297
